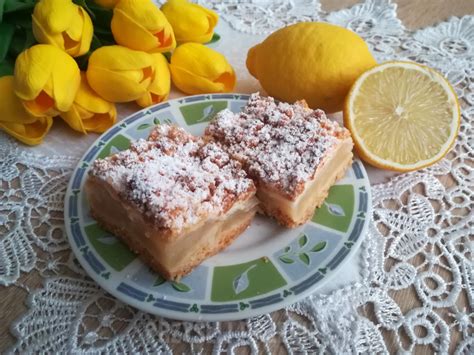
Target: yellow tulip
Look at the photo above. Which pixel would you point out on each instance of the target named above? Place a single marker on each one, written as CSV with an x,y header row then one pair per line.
x,y
197,69
190,22
120,74
16,121
108,4
46,80
90,112
140,25
160,86
63,24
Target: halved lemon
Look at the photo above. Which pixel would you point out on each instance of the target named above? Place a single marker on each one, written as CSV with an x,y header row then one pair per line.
x,y
403,116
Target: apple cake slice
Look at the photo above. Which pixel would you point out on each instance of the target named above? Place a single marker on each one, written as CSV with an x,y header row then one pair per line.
x,y
293,153
174,199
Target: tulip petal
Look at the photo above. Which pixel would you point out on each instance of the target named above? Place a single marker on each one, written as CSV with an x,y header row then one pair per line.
x,y
160,86
126,31
228,80
190,83
88,98
114,86
33,68
119,58
139,24
11,108
90,112
196,68
144,12
87,33
190,22
100,122
45,72
166,40
63,24
43,36
73,119
66,79
56,15
42,105
28,133
161,82
74,30
200,60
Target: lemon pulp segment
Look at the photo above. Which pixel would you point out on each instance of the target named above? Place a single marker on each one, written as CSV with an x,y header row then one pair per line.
x,y
403,114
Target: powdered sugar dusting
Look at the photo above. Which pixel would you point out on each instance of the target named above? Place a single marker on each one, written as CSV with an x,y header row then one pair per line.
x,y
280,145
176,179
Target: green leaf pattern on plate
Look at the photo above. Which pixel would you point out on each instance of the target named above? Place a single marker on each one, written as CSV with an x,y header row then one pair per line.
x,y
304,258
335,209
286,259
319,246
241,282
180,286
302,254
159,281
303,240
143,126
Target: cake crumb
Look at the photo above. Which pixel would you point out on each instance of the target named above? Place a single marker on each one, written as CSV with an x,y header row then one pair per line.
x,y
280,145
175,179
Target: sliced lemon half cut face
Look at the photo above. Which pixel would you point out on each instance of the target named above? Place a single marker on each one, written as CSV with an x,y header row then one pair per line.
x,y
403,116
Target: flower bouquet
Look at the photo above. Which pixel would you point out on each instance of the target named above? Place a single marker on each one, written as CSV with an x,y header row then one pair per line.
x,y
76,59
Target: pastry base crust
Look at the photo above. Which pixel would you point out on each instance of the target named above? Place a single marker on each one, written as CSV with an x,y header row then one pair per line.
x,y
225,239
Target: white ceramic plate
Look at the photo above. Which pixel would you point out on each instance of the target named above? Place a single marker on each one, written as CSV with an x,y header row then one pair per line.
x,y
267,268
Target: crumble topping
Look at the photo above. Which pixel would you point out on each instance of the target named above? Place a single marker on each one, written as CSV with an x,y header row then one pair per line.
x,y
280,145
174,178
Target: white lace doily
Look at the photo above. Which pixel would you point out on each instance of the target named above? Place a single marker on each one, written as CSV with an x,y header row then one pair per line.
x,y
420,243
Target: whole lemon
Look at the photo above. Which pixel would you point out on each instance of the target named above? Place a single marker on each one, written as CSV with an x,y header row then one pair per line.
x,y
314,61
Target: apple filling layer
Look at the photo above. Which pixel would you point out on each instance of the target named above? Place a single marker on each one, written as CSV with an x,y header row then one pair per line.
x,y
171,257
174,199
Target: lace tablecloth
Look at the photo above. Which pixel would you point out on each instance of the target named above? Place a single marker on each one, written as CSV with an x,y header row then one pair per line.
x,y
420,244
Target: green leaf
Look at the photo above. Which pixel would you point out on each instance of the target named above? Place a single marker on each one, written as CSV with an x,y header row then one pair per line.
x,y
159,281
102,16
156,120
82,61
6,68
303,240
180,287
304,258
167,56
6,34
15,5
21,19
22,39
106,37
143,126
287,249
215,38
95,43
319,246
2,7
285,259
